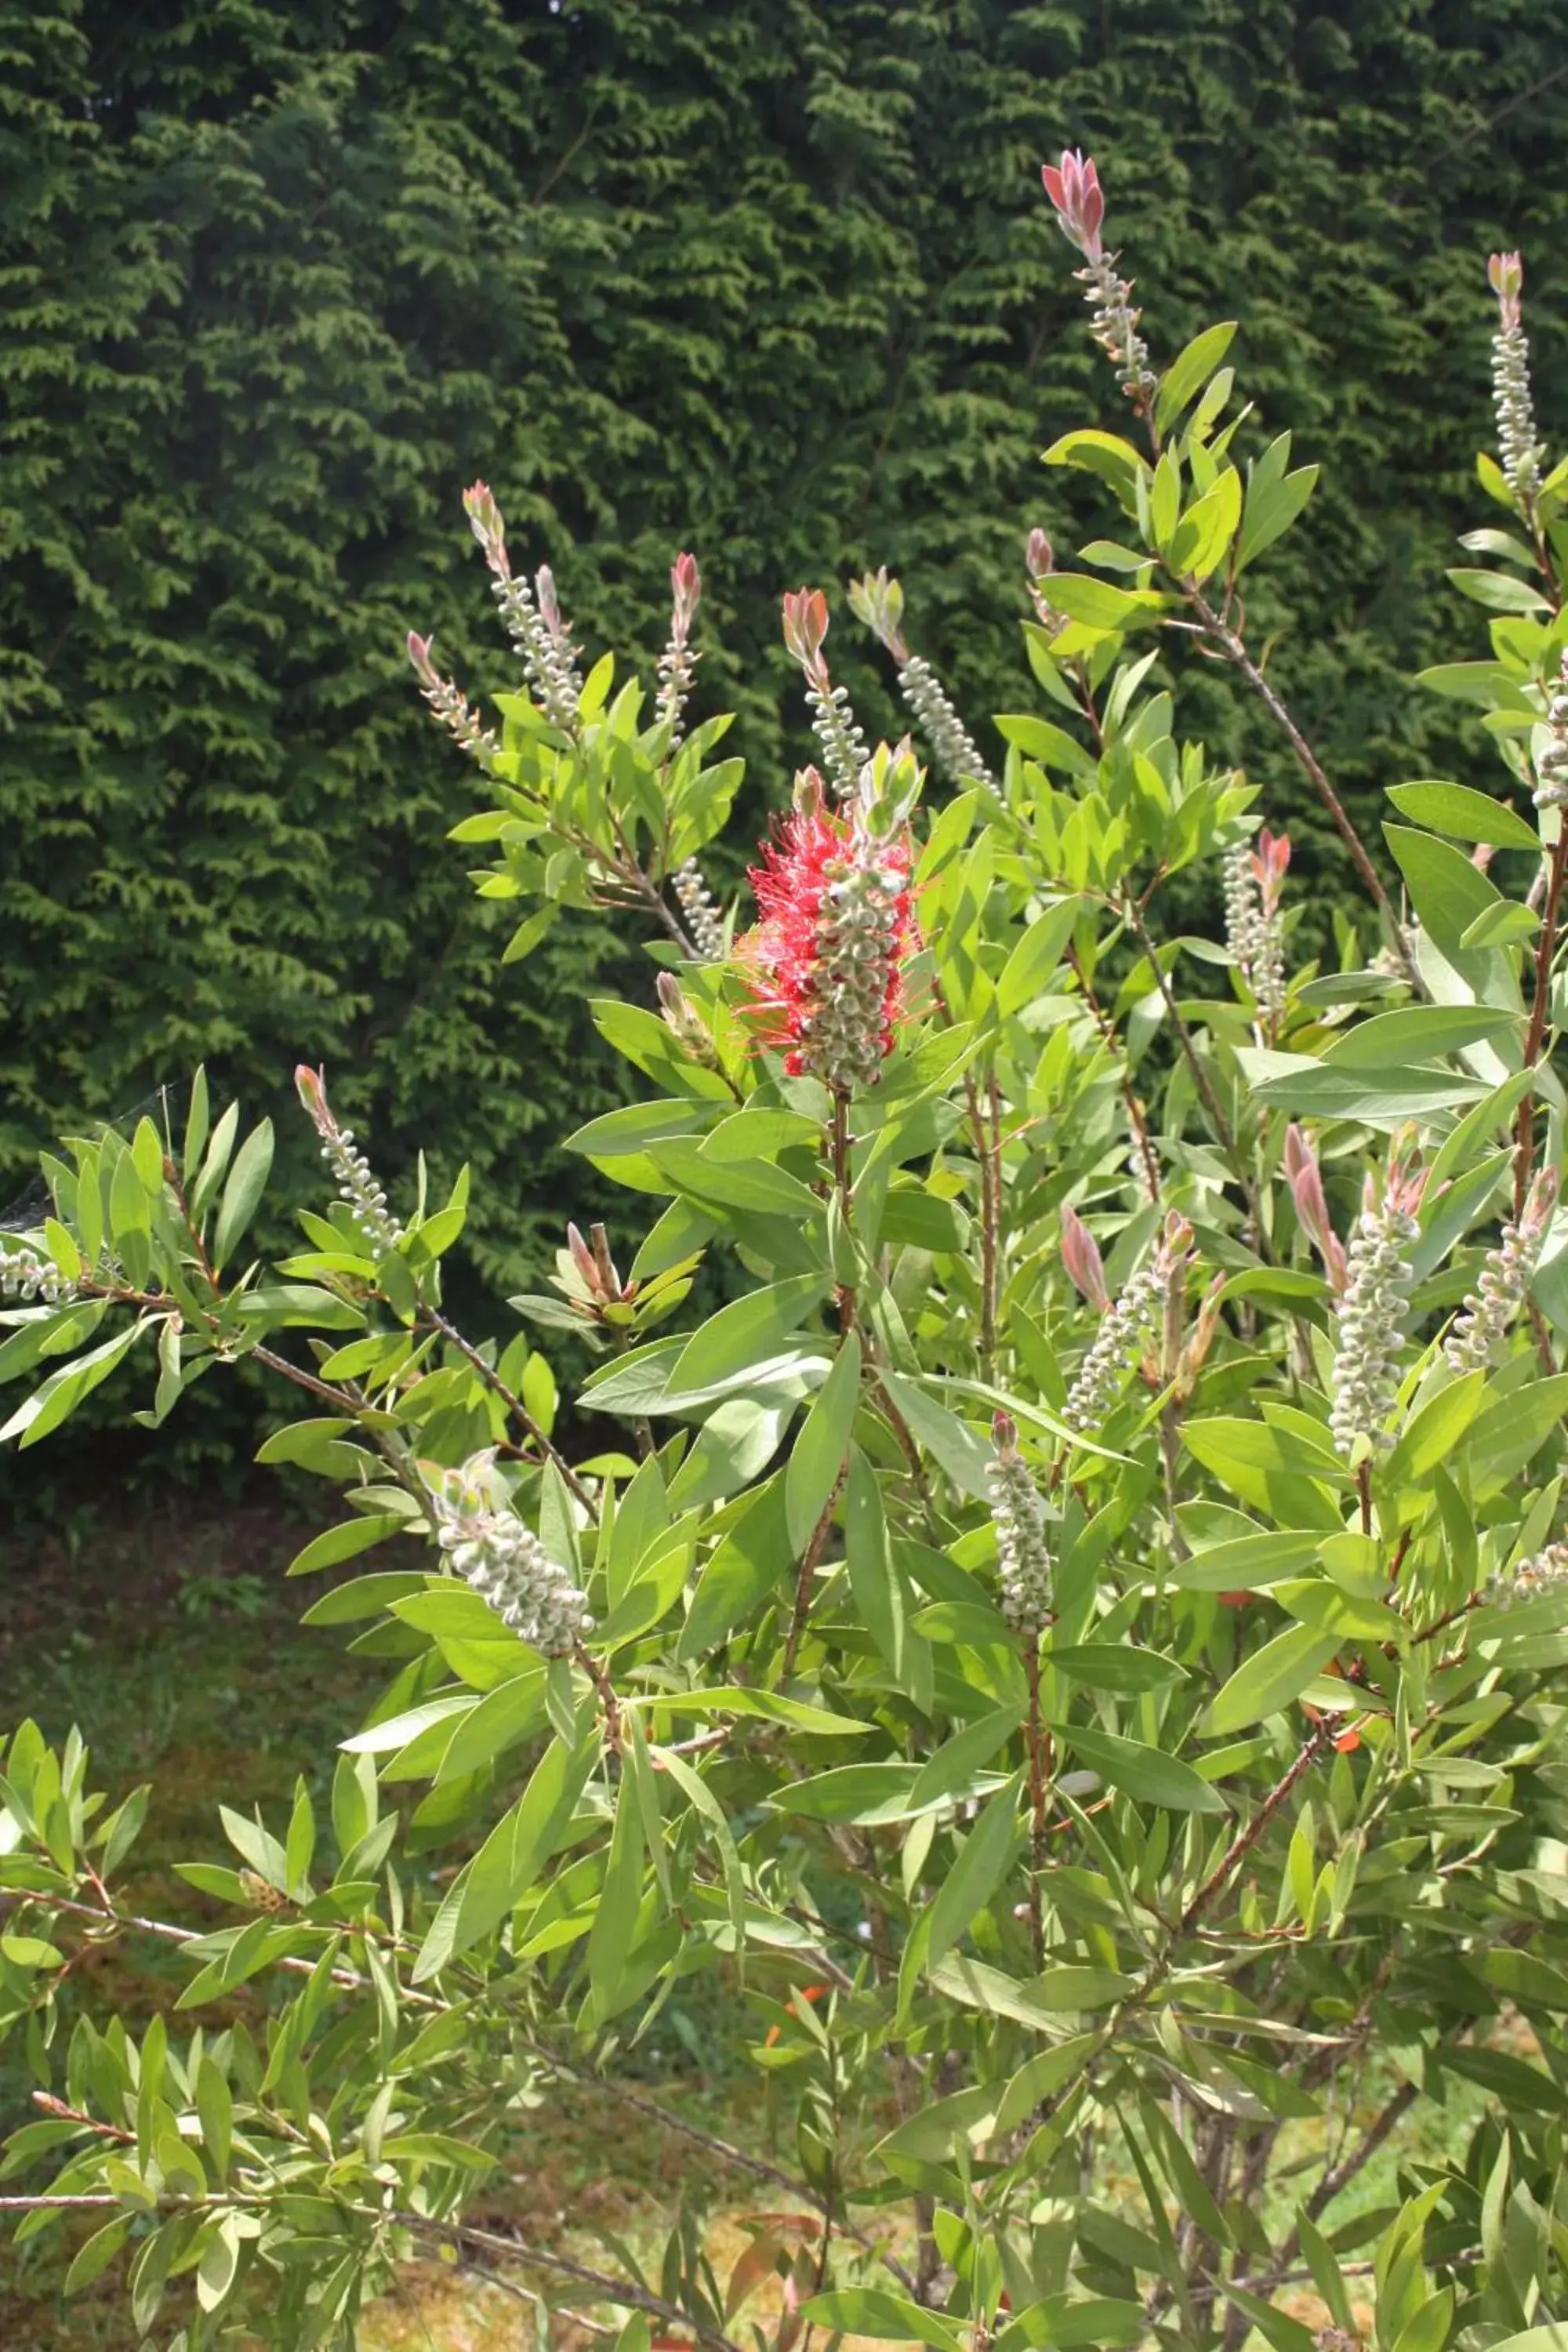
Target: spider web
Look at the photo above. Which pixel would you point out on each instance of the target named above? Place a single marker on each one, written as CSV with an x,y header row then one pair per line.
x,y
166,1107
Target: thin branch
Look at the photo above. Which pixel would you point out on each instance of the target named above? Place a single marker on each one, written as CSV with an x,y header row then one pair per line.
x,y
611,2290
808,1561
1221,635
1201,1079
514,1405
1235,1853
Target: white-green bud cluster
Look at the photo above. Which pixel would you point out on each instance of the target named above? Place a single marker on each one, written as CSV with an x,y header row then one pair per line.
x,y
1125,1330
1372,1313
704,924
842,739
1546,1572
1253,936
843,1038
677,670
25,1274
506,1565
956,751
1518,445
1023,1553
1114,325
360,1187
1552,765
548,662
1490,1307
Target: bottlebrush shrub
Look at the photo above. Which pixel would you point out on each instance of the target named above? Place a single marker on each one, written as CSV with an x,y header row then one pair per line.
x,y
1075,1642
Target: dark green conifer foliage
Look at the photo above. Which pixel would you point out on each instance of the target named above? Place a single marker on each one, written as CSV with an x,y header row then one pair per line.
x,y
770,278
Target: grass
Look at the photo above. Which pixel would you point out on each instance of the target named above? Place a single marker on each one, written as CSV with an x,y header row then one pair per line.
x,y
176,1649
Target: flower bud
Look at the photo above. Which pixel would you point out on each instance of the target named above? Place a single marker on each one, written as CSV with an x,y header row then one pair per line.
x,y
879,602
1073,187
686,594
1039,558
806,626
1080,1256
1306,1182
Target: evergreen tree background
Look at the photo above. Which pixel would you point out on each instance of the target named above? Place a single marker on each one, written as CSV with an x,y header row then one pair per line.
x,y
772,279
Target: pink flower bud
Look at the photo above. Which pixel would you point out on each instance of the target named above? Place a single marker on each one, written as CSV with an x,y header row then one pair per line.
x,y
1039,558
686,594
1080,1256
485,521
1073,187
1004,1434
1505,276
549,603
1270,858
609,1280
1539,1202
584,1260
1306,1182
806,626
879,601
419,655
311,1088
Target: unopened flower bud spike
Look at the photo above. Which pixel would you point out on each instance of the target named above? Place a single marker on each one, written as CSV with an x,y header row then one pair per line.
x,y
1373,1310
365,1196
1073,186
1518,445
1023,1552
548,659
677,663
1483,1323
833,721
450,706
879,601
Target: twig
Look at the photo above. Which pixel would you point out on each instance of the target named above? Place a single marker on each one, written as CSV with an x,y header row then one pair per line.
x,y
1221,635
518,2250
514,1405
1038,1738
1211,1102
1135,1108
1235,1853
808,1561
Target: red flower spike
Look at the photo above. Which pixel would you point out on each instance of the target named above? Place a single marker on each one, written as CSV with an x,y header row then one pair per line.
x,y
827,959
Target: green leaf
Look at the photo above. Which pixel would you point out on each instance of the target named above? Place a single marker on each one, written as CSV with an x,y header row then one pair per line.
x,y
1274,499
510,1860
242,1193
1499,592
818,1457
1415,1032
615,1912
1202,536
1469,815
749,1331
982,1864
215,2106
1506,926
1145,1773
93,2258
889,2318
59,1395
1446,891
873,1580
338,1544
1037,955
1266,1683
751,1558
1115,1666
1191,370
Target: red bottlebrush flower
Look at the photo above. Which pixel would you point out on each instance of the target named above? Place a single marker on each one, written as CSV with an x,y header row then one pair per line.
x,y
1073,187
827,959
